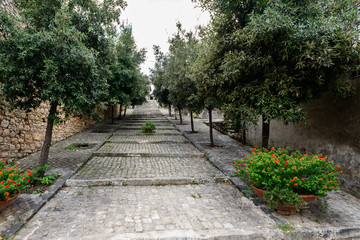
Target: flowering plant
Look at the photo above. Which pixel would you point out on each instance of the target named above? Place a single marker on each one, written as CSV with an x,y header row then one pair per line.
x,y
285,176
13,179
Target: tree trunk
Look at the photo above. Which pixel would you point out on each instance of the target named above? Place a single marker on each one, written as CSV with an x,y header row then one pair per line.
x,y
120,112
112,114
265,132
175,113
180,115
212,144
48,135
125,111
243,136
169,110
192,122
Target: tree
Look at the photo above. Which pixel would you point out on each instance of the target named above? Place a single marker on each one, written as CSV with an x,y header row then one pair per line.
x,y
44,57
281,54
157,77
127,84
204,72
180,86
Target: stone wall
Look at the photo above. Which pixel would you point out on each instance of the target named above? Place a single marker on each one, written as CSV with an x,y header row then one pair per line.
x,y
332,128
22,133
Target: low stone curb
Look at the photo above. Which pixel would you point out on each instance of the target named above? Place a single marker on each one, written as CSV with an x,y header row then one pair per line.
x,y
141,134
47,196
144,181
139,127
139,142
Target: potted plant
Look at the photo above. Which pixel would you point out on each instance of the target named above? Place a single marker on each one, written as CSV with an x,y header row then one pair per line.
x,y
12,180
286,180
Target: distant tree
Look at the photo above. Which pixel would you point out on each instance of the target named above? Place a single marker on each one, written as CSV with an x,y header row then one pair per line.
x,y
157,77
182,54
126,82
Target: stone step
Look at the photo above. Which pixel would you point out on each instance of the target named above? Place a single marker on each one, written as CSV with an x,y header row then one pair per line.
x,y
135,167
132,127
148,149
156,181
147,138
139,132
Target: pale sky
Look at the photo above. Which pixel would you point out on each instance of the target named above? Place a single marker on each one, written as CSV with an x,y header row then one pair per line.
x,y
154,21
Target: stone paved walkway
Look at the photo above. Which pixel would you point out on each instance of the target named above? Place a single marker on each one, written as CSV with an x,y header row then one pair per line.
x,y
159,186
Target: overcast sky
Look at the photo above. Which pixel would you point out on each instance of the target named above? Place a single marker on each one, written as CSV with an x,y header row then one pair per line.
x,y
154,21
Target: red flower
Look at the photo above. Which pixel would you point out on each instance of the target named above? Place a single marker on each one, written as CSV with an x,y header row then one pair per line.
x,y
291,180
7,193
295,184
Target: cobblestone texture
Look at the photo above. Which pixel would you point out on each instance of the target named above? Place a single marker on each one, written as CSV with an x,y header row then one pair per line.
x,y
146,167
159,123
192,211
148,138
64,161
132,127
139,132
149,148
171,212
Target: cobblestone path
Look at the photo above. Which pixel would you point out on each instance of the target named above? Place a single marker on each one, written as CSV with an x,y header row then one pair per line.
x,y
149,186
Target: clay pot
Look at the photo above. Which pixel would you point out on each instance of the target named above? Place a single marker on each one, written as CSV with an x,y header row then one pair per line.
x,y
4,204
287,209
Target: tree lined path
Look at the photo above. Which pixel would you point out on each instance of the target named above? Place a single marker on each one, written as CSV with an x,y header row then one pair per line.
x,y
148,186
159,186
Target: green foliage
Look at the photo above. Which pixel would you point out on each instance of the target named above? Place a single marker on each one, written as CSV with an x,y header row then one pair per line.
x,y
285,227
285,176
49,65
38,191
157,76
171,78
57,51
128,86
268,57
148,127
71,147
49,179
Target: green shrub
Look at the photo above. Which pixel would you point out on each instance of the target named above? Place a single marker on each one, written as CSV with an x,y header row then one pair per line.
x,y
148,127
285,176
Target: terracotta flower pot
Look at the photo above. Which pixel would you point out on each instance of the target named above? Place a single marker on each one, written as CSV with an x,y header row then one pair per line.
x,y
4,204
287,209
